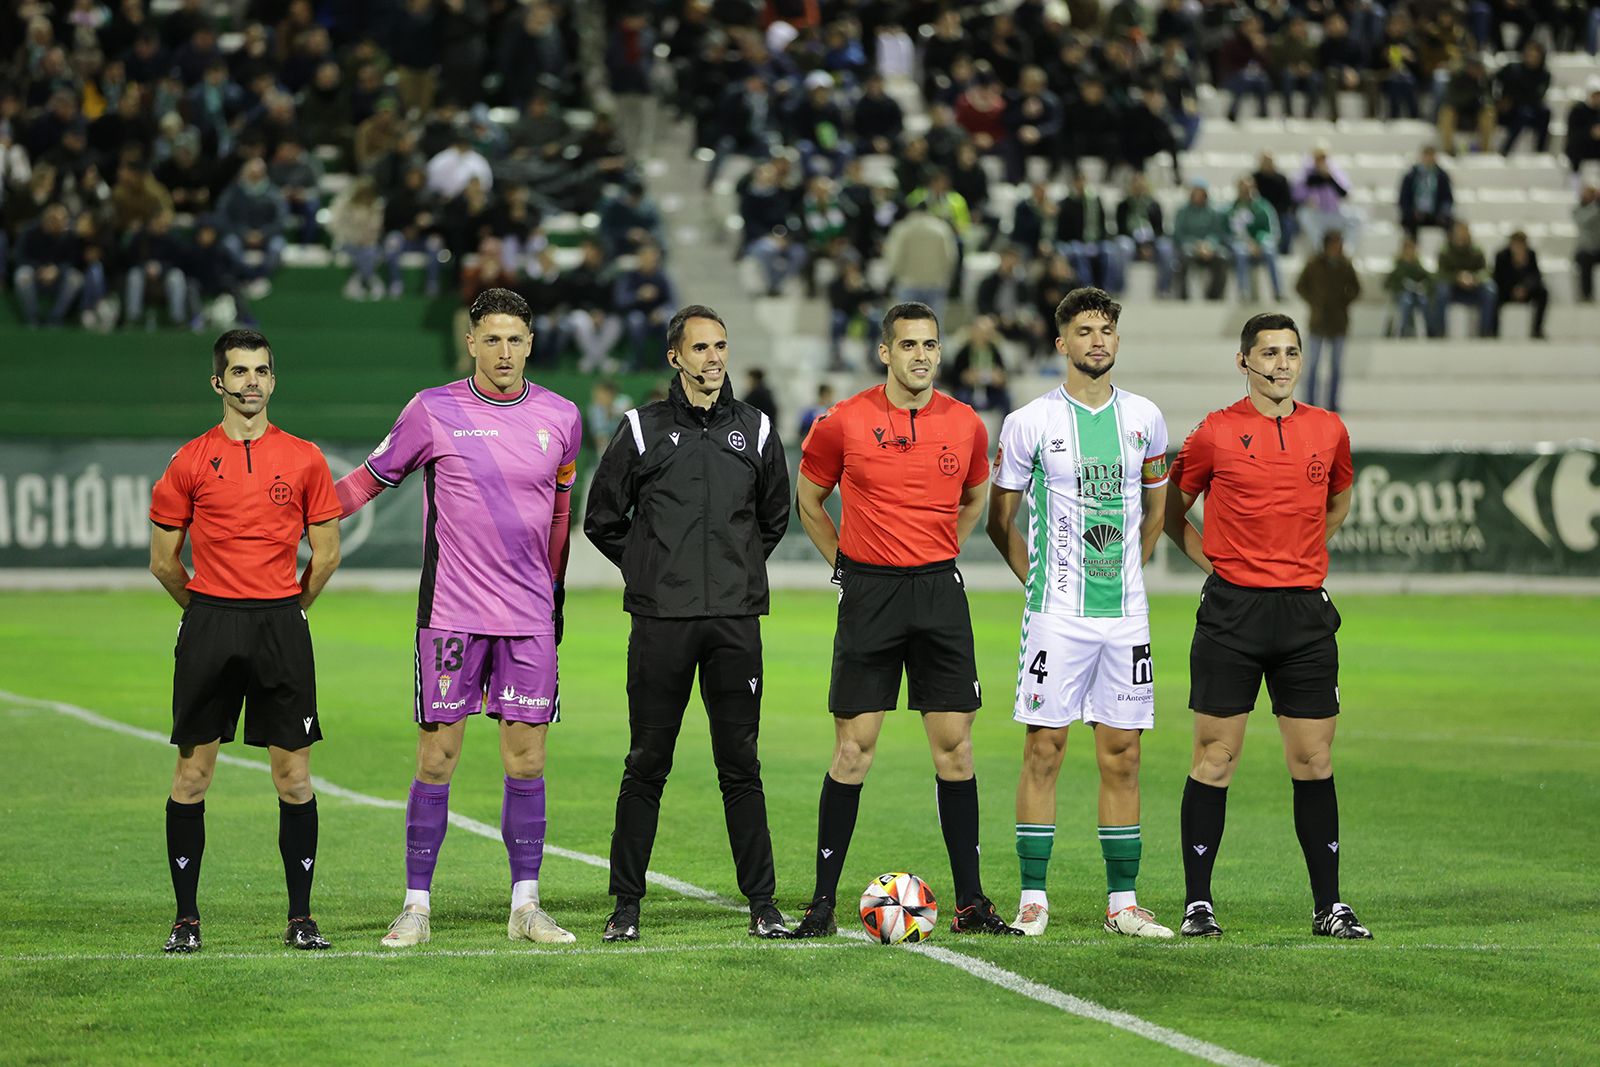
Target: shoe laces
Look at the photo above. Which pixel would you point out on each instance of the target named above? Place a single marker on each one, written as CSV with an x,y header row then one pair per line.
x,y
1031,912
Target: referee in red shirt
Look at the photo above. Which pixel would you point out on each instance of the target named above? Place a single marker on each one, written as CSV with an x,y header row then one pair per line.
x,y
1276,477
910,463
243,493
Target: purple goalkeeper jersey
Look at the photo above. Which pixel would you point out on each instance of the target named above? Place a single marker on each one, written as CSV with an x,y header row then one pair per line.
x,y
492,470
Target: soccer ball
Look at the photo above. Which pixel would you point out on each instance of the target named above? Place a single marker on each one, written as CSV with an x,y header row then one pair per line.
x,y
899,907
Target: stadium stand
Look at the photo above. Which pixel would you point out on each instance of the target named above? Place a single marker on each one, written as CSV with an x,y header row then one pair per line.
x,y
1076,132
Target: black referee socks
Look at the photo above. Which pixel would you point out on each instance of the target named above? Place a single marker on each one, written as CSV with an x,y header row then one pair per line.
x,y
836,824
958,818
1316,823
186,840
297,843
1205,809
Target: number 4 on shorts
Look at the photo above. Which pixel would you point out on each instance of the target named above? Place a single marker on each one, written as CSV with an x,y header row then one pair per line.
x,y
1037,667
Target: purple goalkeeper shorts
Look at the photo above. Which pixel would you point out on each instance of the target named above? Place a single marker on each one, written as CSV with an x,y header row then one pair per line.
x,y
512,678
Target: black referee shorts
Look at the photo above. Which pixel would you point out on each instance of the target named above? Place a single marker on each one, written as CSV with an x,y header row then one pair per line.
x,y
911,619
1284,635
254,653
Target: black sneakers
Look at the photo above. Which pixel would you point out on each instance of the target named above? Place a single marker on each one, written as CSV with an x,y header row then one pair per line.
x,y
185,937
979,917
624,923
818,920
303,933
1339,921
1198,921
767,921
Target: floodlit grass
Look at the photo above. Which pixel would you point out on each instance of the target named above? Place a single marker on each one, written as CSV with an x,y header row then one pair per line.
x,y
1470,802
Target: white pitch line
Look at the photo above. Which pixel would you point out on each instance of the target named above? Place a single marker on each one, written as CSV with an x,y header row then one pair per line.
x,y
978,968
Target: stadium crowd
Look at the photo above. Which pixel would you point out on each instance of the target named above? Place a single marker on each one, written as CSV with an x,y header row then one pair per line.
x,y
172,159
186,152
846,177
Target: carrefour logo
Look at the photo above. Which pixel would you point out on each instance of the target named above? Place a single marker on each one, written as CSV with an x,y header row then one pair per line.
x,y
1574,502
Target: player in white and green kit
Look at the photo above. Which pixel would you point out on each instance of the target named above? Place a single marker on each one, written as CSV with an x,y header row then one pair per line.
x,y
1090,459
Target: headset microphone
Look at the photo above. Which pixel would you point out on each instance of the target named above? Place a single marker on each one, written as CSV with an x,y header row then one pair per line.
x,y
1252,370
701,378
240,397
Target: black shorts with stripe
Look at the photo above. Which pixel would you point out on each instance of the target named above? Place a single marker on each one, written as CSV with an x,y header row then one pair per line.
x,y
249,654
1285,636
903,619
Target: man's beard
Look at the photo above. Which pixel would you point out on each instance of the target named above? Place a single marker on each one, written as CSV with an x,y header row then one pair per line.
x,y
1095,373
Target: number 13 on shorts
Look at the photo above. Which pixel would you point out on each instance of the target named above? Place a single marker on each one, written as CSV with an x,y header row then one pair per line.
x,y
1076,669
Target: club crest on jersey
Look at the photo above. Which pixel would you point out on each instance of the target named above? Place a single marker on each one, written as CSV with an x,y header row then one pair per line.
x,y
444,686
1137,439
1035,701
543,437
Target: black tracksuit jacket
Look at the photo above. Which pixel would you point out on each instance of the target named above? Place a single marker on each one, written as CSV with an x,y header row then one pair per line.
x,y
689,502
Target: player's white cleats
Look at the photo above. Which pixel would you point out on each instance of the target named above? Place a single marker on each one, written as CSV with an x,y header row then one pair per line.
x,y
530,923
1134,921
1032,919
411,928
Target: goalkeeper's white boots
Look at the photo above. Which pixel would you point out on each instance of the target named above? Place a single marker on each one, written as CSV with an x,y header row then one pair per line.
x,y
411,928
530,923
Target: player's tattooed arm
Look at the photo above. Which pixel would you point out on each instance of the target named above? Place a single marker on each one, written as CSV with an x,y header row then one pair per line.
x,y
1155,517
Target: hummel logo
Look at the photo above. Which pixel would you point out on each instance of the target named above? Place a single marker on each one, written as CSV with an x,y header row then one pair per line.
x,y
183,861
1199,850
308,726
1245,439
827,852
674,435
307,862
216,463
753,683
1333,846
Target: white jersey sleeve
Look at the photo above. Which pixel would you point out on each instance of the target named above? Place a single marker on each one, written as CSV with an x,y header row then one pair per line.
x,y
1013,460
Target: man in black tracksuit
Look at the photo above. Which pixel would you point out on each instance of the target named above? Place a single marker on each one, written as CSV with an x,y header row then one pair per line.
x,y
689,500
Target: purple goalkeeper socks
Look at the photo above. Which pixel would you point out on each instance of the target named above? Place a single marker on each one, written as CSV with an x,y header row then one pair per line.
x,y
427,816
522,825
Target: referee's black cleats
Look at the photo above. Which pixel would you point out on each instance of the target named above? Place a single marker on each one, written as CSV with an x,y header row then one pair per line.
x,y
767,921
818,920
979,917
303,933
1339,921
185,937
623,924
1198,921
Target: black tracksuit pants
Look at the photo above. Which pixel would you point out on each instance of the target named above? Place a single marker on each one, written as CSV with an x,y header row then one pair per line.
x,y
663,656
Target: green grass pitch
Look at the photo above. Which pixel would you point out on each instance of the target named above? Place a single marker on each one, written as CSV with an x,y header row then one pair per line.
x,y
1470,801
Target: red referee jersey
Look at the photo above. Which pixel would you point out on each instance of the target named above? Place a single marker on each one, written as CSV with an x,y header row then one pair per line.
x,y
1267,482
246,505
901,474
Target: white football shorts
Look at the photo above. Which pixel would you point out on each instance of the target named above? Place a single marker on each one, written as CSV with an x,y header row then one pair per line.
x,y
1076,669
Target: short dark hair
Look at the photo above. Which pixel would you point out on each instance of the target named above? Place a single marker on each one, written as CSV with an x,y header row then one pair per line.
x,y
681,319
500,302
248,340
1267,320
1086,300
911,309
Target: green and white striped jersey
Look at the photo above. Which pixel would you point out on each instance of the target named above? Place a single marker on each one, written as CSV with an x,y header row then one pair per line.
x,y
1083,471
